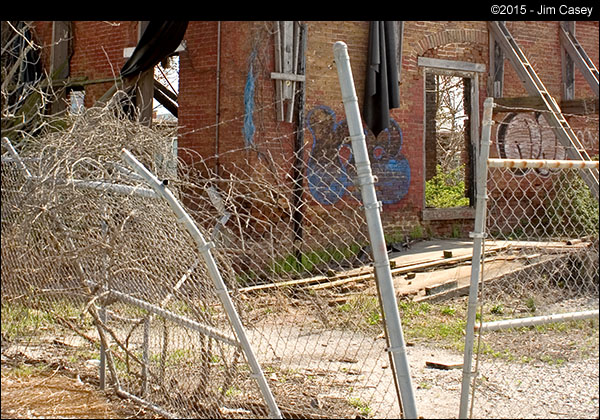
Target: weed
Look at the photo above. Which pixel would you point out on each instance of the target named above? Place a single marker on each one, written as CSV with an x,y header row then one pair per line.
x,y
448,310
424,385
362,407
530,303
439,323
497,309
446,189
361,311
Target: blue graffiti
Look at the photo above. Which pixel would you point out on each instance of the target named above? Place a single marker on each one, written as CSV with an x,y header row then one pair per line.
x,y
330,168
248,128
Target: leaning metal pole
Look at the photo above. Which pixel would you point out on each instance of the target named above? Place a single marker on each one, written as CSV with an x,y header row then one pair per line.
x,y
478,235
213,270
372,208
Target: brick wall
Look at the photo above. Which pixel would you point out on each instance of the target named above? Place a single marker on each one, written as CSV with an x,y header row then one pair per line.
x,y
97,50
211,123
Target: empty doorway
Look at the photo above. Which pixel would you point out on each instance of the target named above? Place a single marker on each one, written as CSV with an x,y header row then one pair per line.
x,y
451,139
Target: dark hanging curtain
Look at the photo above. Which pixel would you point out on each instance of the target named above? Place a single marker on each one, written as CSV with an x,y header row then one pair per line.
x,y
159,40
381,86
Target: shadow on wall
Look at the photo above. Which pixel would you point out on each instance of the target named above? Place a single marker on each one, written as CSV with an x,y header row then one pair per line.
x,y
331,168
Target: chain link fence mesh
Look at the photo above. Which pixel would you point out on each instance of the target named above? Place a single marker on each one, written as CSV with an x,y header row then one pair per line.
x,y
546,222
92,259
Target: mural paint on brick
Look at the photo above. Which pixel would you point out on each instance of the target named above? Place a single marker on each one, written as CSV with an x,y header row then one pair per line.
x,y
331,171
528,136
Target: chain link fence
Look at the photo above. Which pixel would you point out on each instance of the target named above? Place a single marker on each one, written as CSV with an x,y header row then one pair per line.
x,y
536,348
93,261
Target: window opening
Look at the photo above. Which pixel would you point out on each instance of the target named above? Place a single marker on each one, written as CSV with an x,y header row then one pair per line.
x,y
448,146
167,73
76,101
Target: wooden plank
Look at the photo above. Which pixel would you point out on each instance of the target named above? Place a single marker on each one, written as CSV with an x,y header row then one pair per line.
x,y
278,69
440,287
283,284
436,63
580,58
567,65
287,55
464,290
296,46
584,106
496,77
288,76
366,273
444,365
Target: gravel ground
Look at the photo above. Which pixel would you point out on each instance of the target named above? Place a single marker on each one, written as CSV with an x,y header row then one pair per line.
x,y
506,390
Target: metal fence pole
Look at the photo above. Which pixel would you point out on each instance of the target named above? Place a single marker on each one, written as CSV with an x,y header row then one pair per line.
x,y
102,367
213,270
372,207
478,234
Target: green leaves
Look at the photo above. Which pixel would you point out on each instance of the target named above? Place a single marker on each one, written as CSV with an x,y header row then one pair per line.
x,y
446,189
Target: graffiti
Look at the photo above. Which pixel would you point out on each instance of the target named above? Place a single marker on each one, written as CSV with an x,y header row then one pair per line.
x,y
331,170
589,139
527,136
248,128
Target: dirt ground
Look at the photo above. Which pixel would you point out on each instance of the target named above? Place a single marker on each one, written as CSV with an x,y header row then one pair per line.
x,y
48,386
33,393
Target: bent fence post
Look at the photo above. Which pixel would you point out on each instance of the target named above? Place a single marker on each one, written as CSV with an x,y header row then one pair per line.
x,y
372,207
478,234
220,288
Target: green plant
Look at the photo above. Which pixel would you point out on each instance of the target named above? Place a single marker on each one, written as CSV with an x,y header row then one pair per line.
x,y
446,189
440,323
497,309
417,232
530,303
361,311
362,407
572,211
310,261
448,310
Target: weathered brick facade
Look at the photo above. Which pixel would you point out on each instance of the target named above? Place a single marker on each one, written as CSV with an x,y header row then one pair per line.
x,y
218,58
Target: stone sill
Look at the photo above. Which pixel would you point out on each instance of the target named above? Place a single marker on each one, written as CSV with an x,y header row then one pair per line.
x,y
450,213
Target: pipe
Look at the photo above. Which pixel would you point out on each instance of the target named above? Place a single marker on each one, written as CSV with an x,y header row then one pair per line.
x,y
372,207
537,320
218,97
543,163
477,235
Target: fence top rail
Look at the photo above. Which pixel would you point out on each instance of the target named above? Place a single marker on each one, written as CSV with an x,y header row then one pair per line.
x,y
543,163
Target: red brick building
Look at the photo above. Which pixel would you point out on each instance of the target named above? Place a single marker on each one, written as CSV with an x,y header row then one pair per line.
x,y
228,98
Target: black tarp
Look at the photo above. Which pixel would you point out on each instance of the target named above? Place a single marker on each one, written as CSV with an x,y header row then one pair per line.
x,y
381,85
159,40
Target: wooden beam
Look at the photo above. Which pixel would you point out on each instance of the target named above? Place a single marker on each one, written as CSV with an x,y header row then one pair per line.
x,y
436,63
145,88
496,76
567,65
278,69
580,58
167,92
288,76
60,55
166,101
585,106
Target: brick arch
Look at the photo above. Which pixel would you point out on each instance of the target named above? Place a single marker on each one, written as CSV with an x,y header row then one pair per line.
x,y
450,36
